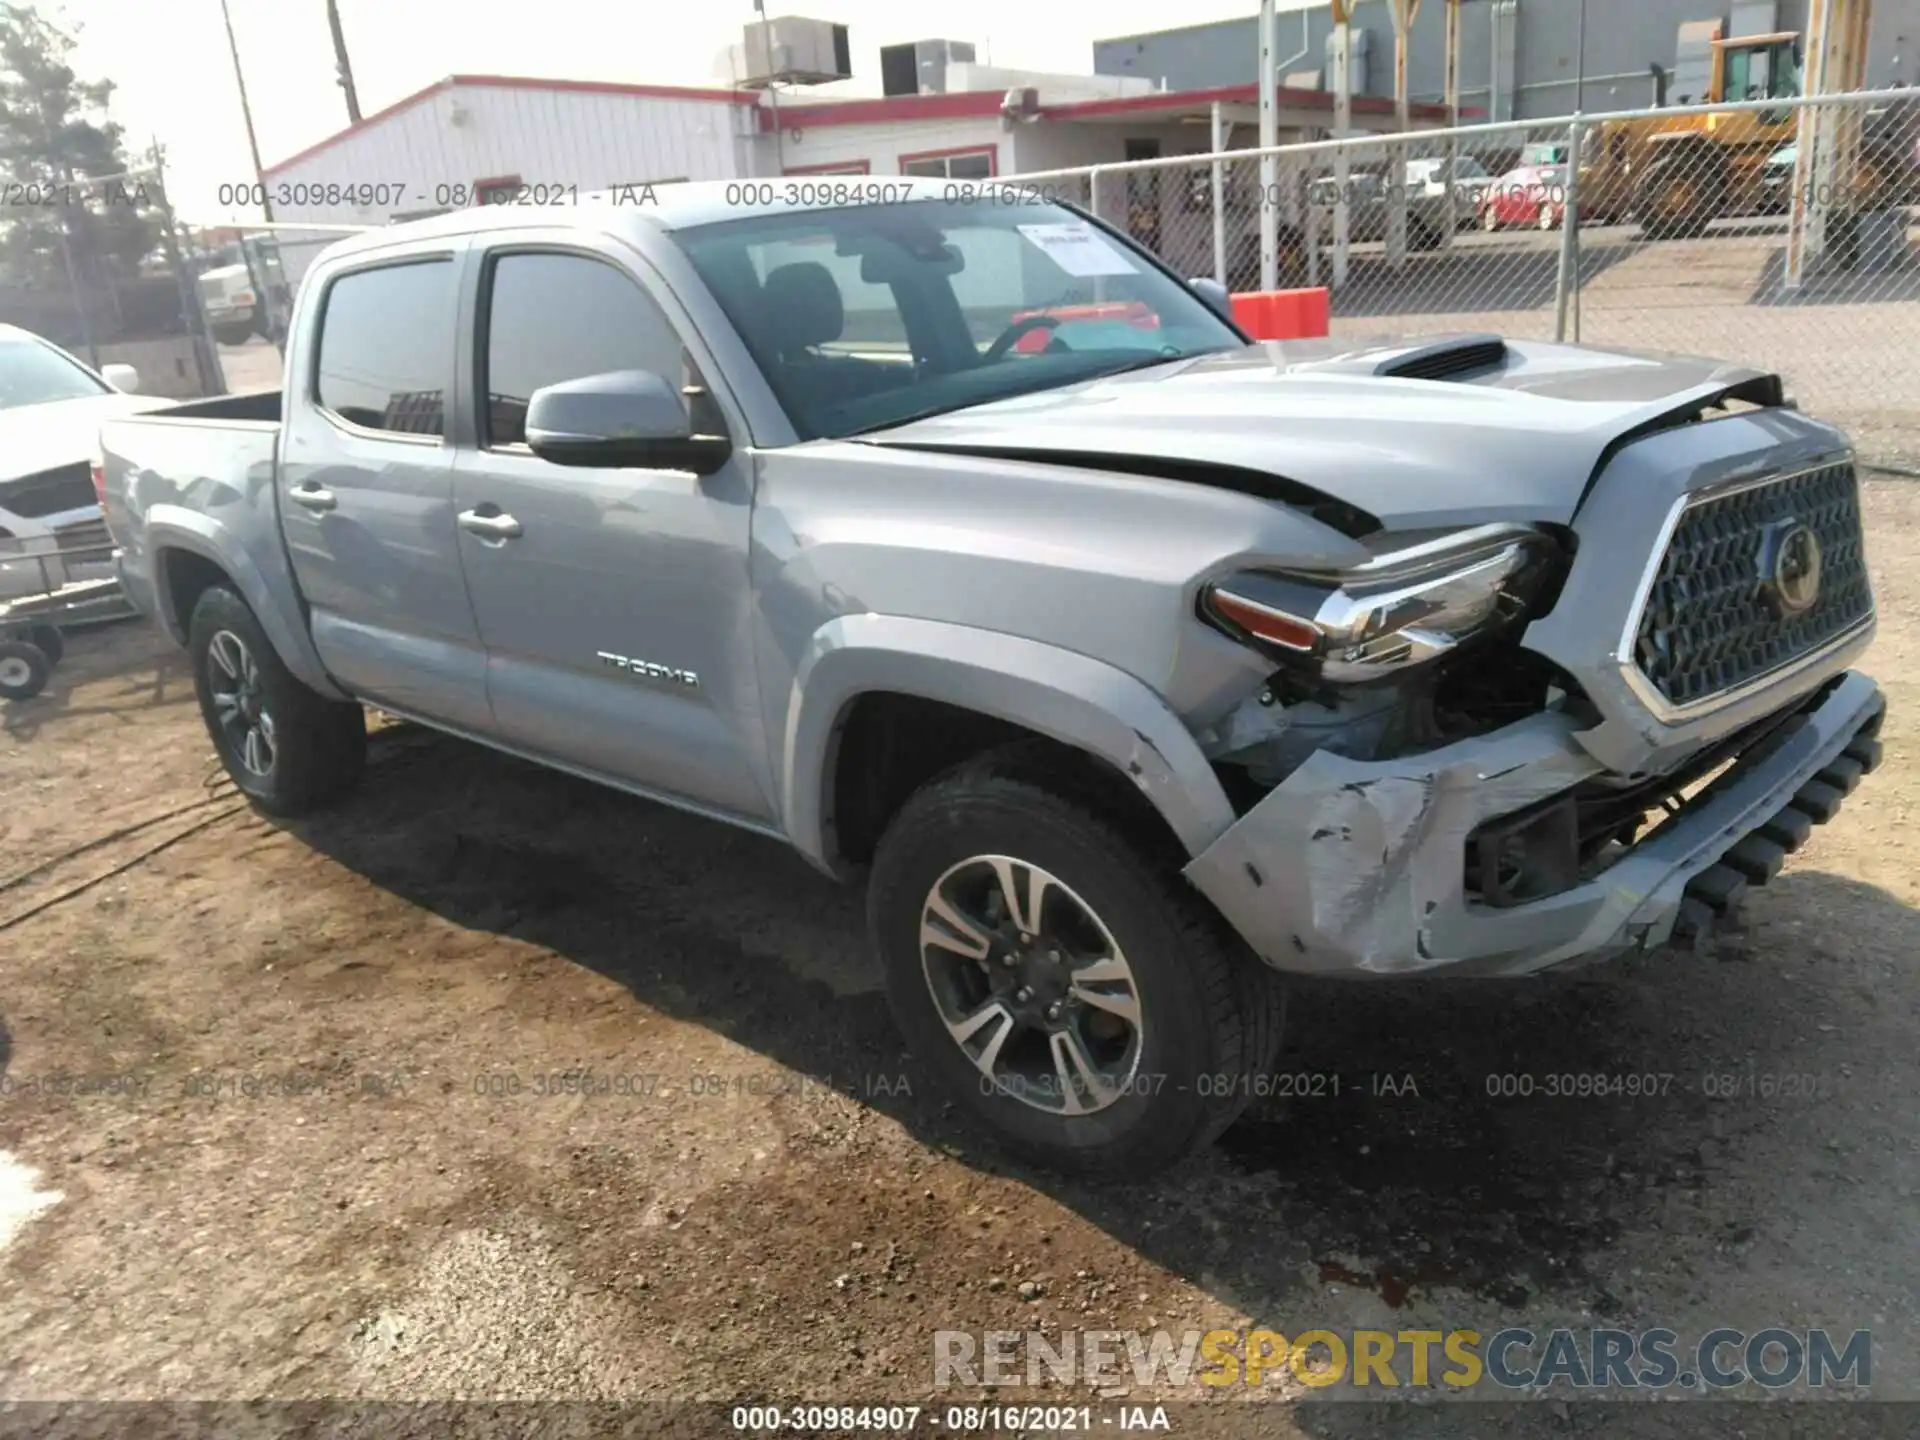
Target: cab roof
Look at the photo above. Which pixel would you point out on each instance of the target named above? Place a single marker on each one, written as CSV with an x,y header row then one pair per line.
x,y
684,205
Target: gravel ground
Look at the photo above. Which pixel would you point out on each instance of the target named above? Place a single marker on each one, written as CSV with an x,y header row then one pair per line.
x,y
322,1154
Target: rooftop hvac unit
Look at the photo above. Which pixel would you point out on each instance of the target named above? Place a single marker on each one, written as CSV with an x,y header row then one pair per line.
x,y
1361,42
920,68
794,51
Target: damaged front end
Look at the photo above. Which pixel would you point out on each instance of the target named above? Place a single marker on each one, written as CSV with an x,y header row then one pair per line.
x,y
1451,769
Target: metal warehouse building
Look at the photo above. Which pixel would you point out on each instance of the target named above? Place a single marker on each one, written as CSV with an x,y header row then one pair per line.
x,y
1536,46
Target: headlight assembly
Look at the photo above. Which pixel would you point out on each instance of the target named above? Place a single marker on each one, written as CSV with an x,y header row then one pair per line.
x,y
1408,605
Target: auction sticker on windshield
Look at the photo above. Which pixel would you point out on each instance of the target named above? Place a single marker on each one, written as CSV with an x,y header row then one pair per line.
x,y
1077,248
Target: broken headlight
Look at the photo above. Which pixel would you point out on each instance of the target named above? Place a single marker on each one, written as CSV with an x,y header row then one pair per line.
x,y
1427,595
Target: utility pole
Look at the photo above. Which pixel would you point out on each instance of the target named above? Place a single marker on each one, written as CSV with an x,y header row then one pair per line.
x,y
1342,128
1580,63
341,63
246,114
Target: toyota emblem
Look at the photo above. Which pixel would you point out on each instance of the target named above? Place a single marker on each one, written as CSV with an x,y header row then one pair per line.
x,y
1792,572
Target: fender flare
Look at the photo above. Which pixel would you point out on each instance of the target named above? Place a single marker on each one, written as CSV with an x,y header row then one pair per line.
x,y
1064,695
273,599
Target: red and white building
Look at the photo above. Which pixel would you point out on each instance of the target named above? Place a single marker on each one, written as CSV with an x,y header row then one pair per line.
x,y
468,137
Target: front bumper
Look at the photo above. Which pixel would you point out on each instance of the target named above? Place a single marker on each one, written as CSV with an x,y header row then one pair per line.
x,y
1359,868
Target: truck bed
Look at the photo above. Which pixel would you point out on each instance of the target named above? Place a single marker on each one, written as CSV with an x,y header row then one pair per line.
x,y
198,478
251,405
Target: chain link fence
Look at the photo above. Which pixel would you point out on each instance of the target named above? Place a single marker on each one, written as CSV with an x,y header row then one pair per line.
x,y
101,267
1772,233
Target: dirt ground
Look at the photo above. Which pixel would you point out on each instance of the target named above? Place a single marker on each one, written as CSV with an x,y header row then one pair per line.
x,y
280,1115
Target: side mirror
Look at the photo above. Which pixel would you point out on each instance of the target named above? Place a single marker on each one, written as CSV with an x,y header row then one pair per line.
x,y
123,378
622,418
1215,294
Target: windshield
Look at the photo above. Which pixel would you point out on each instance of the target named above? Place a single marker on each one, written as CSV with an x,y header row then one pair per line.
x,y
873,315
36,374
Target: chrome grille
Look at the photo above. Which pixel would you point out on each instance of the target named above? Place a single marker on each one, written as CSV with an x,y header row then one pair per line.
x,y
1712,620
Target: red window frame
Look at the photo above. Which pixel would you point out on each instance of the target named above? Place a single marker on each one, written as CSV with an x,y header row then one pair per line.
x,y
838,167
992,152
494,182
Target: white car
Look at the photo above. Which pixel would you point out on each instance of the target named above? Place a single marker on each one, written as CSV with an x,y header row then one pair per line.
x,y
1471,180
51,407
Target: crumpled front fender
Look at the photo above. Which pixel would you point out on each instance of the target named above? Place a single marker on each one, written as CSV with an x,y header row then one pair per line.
x,y
1351,866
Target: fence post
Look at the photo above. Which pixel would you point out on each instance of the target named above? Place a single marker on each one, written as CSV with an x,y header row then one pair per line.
x,y
1568,279
1093,204
1219,196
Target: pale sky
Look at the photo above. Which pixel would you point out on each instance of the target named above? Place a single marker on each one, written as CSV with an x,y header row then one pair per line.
x,y
170,61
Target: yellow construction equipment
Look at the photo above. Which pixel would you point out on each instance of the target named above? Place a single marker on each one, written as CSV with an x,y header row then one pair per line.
x,y
1676,174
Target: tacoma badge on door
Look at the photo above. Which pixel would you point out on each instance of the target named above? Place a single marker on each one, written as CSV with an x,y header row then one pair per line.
x,y
647,670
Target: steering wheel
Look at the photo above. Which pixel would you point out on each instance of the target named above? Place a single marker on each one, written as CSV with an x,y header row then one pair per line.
x,y
1010,336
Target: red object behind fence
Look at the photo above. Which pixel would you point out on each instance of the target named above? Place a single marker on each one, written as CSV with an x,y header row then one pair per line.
x,y
1283,314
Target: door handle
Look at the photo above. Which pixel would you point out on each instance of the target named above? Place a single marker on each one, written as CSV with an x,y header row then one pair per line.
x,y
496,526
314,497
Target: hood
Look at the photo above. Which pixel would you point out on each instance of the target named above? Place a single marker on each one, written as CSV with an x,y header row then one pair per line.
x,y
39,437
1486,430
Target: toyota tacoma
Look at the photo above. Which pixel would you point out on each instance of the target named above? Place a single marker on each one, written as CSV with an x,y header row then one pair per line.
x,y
949,538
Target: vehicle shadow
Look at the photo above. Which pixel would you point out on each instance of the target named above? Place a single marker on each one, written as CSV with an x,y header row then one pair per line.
x,y
1407,1142
1882,284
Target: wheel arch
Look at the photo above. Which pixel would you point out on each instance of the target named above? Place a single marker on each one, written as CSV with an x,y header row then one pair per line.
x,y
999,688
189,555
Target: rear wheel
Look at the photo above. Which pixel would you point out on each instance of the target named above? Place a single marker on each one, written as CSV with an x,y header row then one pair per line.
x,y
233,334
1072,994
1489,219
287,748
1546,219
24,668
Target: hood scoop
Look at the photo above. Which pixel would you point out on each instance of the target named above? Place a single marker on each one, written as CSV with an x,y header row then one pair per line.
x,y
1447,359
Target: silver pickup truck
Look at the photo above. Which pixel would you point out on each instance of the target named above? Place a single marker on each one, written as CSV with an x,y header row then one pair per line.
x,y
952,540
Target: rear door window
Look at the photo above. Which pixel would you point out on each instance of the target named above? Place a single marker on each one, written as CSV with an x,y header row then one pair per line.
x,y
386,347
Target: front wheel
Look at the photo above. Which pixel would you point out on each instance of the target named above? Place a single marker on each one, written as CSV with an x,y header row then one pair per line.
x,y
286,747
1070,993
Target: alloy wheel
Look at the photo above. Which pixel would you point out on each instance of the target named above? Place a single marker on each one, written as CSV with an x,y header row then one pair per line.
x,y
1031,985
233,676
